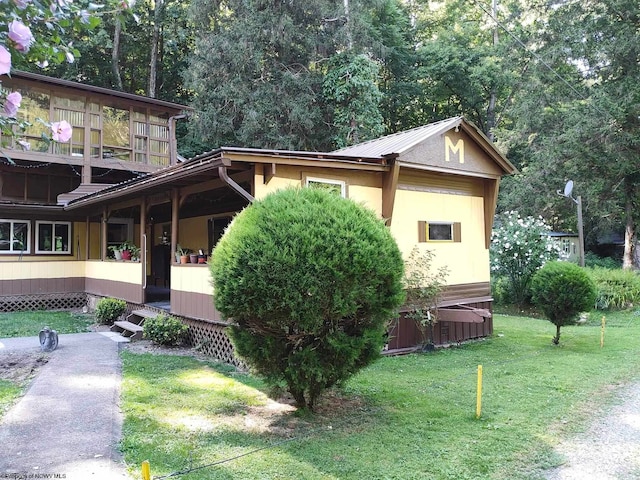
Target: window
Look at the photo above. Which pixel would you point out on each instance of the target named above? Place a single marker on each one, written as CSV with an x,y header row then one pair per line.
x,y
566,245
14,236
439,231
339,187
53,237
217,226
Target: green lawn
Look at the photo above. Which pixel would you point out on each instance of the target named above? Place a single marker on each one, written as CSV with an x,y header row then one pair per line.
x,y
27,324
9,393
409,417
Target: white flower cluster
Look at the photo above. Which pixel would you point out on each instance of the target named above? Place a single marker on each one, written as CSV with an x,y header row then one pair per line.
x,y
520,246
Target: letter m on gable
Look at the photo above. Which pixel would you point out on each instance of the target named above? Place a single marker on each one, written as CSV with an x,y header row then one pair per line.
x,y
451,149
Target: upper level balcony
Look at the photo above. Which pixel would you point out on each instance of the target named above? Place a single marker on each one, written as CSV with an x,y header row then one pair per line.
x,y
112,130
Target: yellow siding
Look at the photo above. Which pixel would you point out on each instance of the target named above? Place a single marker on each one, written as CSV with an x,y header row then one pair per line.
x,y
363,187
192,234
191,279
468,260
128,272
53,269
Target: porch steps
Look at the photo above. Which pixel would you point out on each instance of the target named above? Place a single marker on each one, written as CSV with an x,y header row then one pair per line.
x,y
132,326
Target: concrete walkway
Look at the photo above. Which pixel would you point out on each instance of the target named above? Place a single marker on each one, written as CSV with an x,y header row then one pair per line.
x,y
69,422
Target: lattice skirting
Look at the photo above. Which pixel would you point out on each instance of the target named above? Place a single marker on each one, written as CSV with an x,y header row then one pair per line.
x,y
210,339
45,301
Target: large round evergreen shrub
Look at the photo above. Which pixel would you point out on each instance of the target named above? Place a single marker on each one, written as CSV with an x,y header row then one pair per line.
x,y
562,290
311,281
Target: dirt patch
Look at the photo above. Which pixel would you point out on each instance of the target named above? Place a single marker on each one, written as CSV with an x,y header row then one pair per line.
x,y
20,367
147,346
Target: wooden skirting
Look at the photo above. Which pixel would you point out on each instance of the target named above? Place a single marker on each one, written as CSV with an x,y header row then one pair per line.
x,y
39,286
130,292
198,306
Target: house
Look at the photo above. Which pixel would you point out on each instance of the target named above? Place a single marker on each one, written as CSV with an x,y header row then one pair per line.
x,y
569,245
435,186
116,137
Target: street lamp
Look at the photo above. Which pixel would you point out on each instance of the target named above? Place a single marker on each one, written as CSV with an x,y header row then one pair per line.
x,y
568,188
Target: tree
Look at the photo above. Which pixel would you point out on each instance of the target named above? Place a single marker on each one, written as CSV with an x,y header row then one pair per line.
x,y
350,86
311,281
519,247
562,290
584,126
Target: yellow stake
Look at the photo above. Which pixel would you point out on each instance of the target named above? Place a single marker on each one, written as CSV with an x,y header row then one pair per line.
x,y
146,470
604,322
479,396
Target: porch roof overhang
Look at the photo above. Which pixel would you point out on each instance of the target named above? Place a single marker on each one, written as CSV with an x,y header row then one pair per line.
x,y
205,167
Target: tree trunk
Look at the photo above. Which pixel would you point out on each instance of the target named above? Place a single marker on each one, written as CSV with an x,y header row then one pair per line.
x,y
155,47
556,339
115,55
491,110
629,258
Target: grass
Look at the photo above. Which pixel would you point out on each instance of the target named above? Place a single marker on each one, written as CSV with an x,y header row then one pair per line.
x,y
409,417
28,324
9,393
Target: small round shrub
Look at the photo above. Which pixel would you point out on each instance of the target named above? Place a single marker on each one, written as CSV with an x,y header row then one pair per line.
x,y
561,290
311,281
164,330
109,309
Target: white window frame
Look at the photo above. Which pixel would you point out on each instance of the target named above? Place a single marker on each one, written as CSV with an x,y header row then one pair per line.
x,y
54,224
342,183
13,251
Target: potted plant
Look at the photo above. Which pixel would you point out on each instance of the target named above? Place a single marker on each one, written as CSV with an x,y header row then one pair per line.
x,y
182,253
116,251
126,249
193,257
202,257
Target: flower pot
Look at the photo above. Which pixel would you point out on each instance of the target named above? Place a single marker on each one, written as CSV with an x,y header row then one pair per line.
x,y
202,259
193,258
184,259
117,254
126,255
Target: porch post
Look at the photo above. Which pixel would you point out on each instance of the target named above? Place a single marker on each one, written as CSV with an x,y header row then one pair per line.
x,y
175,206
103,240
87,237
143,241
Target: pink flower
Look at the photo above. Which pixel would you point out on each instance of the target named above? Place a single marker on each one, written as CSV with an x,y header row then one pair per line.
x,y
20,33
22,4
12,103
5,60
61,131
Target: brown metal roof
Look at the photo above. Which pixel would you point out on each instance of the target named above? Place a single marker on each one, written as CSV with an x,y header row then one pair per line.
x,y
90,88
83,190
400,142
205,167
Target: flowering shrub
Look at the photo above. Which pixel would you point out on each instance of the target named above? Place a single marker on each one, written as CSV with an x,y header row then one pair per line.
x,y
519,248
32,30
